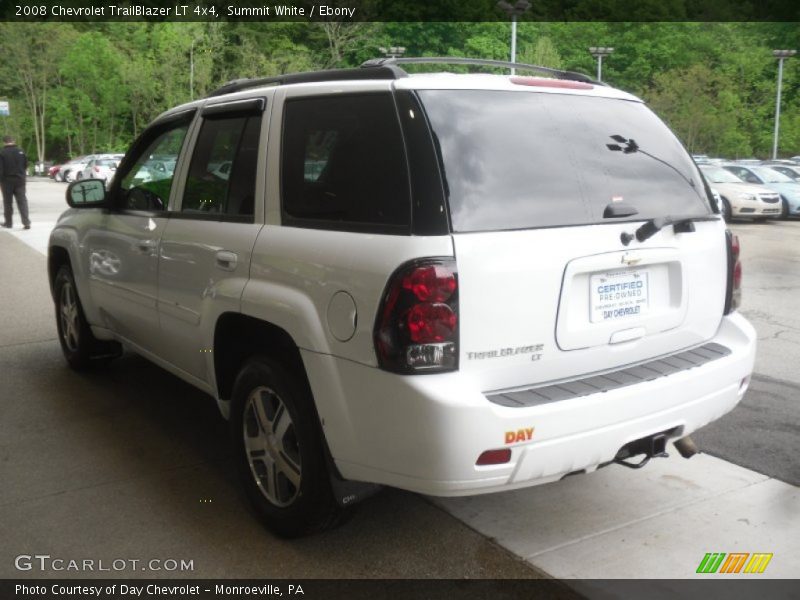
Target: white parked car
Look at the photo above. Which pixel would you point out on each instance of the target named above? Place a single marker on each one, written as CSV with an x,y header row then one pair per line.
x,y
786,188
69,169
100,168
406,283
741,199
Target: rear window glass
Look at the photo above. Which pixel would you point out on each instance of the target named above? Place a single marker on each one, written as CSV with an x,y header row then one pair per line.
x,y
516,160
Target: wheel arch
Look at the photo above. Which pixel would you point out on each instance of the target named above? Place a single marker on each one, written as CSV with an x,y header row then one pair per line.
x,y
238,336
57,257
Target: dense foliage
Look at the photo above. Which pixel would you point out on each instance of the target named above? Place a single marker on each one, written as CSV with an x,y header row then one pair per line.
x,y
80,88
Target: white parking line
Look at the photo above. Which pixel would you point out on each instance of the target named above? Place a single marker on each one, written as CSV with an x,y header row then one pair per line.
x,y
658,522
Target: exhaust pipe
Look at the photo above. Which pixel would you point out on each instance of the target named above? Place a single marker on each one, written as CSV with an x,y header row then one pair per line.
x,y
686,447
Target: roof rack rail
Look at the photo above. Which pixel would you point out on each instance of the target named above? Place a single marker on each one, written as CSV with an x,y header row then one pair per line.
x,y
449,60
387,68
380,72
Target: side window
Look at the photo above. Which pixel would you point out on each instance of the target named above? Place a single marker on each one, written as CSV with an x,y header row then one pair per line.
x,y
147,184
222,174
745,175
343,164
751,177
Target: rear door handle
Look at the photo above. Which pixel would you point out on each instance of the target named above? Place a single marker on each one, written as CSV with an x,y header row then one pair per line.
x,y
226,260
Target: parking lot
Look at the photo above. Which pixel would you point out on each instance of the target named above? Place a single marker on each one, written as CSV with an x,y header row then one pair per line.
x,y
132,463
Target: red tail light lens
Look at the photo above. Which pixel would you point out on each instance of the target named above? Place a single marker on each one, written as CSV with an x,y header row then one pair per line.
x,y
431,323
431,283
417,325
734,292
494,457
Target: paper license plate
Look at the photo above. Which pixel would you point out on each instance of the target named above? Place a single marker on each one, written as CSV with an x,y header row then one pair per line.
x,y
618,295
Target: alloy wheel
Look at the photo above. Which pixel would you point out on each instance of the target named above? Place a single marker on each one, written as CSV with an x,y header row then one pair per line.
x,y
70,326
270,442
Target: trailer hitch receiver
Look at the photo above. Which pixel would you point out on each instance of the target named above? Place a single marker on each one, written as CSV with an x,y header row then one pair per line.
x,y
653,446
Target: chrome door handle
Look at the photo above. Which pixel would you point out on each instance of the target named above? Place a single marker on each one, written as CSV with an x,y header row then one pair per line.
x,y
226,260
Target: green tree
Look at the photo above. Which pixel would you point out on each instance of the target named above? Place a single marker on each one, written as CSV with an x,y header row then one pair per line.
x,y
30,66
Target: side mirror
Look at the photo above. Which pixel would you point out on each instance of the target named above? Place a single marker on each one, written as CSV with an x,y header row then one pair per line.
x,y
87,193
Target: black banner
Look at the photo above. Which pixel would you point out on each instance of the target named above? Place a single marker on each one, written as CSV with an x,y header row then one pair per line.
x,y
405,589
397,10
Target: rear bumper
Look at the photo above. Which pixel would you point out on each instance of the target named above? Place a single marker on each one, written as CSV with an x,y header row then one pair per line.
x,y
425,433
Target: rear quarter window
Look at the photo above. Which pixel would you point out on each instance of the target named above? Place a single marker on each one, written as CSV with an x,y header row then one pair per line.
x,y
343,164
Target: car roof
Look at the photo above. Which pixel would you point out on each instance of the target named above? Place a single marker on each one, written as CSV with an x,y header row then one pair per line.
x,y
561,82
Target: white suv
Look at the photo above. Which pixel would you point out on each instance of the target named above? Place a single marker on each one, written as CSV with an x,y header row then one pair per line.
x,y
447,283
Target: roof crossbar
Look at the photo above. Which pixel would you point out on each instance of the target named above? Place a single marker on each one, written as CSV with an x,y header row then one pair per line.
x,y
381,72
449,60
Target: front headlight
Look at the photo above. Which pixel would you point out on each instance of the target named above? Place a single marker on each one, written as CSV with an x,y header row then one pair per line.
x,y
746,197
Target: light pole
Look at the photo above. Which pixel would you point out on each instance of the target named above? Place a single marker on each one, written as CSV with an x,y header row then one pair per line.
x,y
191,71
393,51
599,52
781,55
513,11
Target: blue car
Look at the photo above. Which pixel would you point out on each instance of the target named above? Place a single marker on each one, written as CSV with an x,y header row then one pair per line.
x,y
778,182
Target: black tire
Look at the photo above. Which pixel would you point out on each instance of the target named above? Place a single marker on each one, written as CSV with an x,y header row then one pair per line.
x,y
285,476
726,211
784,209
80,347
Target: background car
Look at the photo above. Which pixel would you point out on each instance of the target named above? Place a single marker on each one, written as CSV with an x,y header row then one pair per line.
x,y
100,168
788,189
791,171
717,199
67,170
223,170
740,199
76,168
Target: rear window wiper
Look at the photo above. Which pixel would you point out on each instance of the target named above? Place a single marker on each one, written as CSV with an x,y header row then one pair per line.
x,y
654,225
629,146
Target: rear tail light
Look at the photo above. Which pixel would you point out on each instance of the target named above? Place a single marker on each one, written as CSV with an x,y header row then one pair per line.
x,y
733,296
417,325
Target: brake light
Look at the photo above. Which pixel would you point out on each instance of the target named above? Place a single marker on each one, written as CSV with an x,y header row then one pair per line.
x,y
417,325
554,83
734,290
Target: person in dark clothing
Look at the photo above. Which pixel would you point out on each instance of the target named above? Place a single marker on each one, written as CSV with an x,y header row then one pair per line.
x,y
13,167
